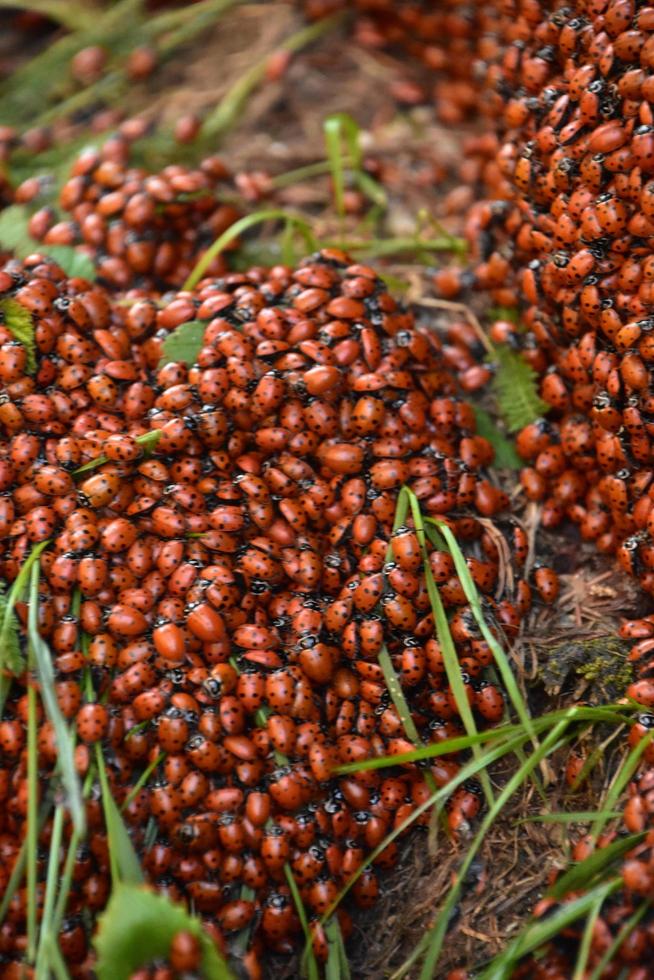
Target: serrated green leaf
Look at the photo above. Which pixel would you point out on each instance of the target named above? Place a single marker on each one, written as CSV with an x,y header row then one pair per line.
x,y
19,321
73,262
505,455
516,388
14,234
138,926
184,343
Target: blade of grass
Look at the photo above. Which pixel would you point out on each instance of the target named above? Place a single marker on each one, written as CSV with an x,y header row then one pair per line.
x,y
544,723
382,247
393,684
587,938
581,875
541,931
433,942
46,938
73,16
18,587
125,866
148,441
579,816
18,869
472,595
233,102
46,678
337,964
143,778
448,650
619,784
623,933
32,819
311,964
243,224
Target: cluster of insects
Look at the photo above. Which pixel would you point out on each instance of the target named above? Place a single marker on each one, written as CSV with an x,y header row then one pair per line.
x,y
222,569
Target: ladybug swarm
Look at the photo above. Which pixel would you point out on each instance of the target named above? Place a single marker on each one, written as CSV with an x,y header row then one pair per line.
x,y
231,590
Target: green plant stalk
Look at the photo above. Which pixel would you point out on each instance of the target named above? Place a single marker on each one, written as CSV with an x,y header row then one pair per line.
x,y
435,937
66,881
437,798
124,862
270,214
499,655
380,248
578,816
231,105
311,964
500,734
450,658
502,967
38,649
46,938
148,441
337,966
19,866
587,938
15,592
624,932
72,16
619,784
32,819
143,778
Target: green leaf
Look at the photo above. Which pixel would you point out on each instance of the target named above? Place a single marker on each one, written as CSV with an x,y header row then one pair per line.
x,y
12,658
14,235
184,343
516,388
243,224
19,321
125,866
46,678
73,262
138,926
506,458
581,875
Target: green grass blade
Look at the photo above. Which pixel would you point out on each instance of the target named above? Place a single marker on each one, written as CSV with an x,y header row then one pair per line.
x,y
581,875
578,816
623,933
46,678
472,595
619,784
435,937
46,938
18,869
337,967
448,649
338,129
313,972
542,930
125,866
18,587
142,780
32,819
243,224
148,441
587,938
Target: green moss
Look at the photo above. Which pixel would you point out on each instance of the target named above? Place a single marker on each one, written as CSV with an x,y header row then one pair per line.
x,y
600,663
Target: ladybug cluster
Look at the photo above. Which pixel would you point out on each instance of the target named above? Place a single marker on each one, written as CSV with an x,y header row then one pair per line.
x,y
446,38
229,571
141,230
